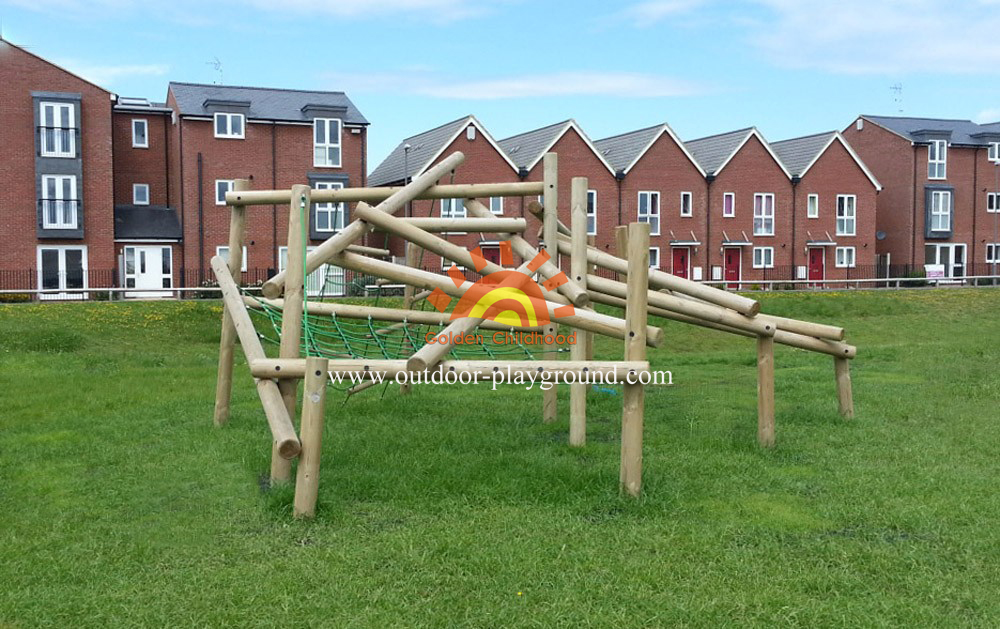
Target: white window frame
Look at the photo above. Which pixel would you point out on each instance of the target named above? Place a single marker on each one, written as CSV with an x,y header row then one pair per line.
x,y
136,187
732,205
60,202
995,248
496,205
62,249
229,117
321,149
651,250
51,125
812,206
937,159
591,212
331,209
687,201
648,216
223,252
993,199
766,260
221,199
136,144
845,220
762,215
840,258
939,210
452,212
993,152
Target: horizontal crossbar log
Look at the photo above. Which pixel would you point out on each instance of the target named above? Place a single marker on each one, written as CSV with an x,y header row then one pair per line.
x,y
375,195
608,372
493,225
369,251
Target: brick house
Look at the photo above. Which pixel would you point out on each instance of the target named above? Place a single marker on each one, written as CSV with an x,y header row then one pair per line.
x,y
56,201
276,138
833,207
485,162
941,202
749,211
660,183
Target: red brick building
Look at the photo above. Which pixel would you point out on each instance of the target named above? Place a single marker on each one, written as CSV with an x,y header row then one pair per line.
x,y
833,208
941,202
56,207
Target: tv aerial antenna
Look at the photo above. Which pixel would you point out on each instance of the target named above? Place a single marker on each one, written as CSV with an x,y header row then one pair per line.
x,y
897,96
217,66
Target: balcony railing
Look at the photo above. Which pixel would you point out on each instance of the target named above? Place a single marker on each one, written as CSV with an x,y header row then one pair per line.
x,y
59,213
58,141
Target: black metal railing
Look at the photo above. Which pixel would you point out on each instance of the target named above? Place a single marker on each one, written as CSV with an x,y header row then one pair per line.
x,y
58,141
54,212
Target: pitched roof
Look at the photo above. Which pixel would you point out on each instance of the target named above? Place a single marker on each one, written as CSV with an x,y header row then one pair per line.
x,y
799,153
4,43
140,221
264,103
526,149
424,149
917,129
624,150
713,151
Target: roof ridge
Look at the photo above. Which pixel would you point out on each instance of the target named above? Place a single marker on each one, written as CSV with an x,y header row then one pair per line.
x,y
620,135
716,135
257,87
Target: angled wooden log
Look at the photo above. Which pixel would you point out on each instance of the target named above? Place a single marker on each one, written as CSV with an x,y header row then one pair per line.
x,y
224,380
432,353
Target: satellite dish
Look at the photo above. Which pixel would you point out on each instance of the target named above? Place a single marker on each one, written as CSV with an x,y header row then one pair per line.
x,y
880,235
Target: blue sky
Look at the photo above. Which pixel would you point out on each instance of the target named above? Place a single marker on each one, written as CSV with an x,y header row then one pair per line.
x,y
790,67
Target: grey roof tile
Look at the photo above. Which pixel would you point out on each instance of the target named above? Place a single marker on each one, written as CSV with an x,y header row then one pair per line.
x,y
141,221
524,149
621,150
962,131
713,151
798,153
423,147
265,103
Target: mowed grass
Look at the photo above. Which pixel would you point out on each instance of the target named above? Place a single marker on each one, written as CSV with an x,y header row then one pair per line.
x,y
121,504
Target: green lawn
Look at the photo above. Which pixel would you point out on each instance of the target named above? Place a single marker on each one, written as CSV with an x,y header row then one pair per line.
x,y
121,504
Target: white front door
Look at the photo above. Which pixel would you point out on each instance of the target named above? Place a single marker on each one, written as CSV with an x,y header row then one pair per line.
x,y
149,270
326,281
61,268
951,256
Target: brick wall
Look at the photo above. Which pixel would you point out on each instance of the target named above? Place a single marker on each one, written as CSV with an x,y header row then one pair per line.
x,y
134,165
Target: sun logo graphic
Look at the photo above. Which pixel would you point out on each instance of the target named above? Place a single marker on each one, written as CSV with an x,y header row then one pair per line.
x,y
508,297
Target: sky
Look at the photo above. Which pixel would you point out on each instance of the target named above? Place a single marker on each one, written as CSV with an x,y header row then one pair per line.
x,y
788,67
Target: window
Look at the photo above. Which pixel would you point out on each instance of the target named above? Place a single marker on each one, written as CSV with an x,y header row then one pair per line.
x,y
993,201
993,252
729,205
496,205
222,186
224,253
62,268
654,257
937,157
57,129
846,208
763,214
229,125
591,212
951,256
844,258
763,257
326,142
140,133
140,194
327,281
685,204
59,202
812,206
649,211
993,152
329,216
940,210
452,208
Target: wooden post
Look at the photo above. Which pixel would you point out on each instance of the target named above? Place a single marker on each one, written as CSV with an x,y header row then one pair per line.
x,y
765,391
413,256
578,274
311,435
621,248
550,190
633,395
224,381
291,319
845,397
591,270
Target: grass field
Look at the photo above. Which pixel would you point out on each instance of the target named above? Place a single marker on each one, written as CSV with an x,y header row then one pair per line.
x,y
121,504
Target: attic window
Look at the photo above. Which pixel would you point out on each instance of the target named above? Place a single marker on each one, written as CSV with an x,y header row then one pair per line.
x,y
470,133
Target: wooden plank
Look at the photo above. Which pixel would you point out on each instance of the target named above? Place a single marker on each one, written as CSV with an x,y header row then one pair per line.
x,y
633,395
313,403
227,342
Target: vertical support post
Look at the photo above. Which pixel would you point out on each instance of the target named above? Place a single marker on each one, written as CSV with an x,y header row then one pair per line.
x,y
845,397
578,273
621,247
765,391
633,395
412,261
550,226
311,436
224,380
591,270
291,320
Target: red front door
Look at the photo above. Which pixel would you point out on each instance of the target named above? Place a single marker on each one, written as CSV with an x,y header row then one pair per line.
x,y
817,264
733,263
681,259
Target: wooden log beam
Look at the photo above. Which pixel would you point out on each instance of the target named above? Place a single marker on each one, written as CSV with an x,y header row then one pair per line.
x,y
550,219
492,224
633,395
765,391
369,251
377,195
313,402
845,398
224,379
578,278
442,343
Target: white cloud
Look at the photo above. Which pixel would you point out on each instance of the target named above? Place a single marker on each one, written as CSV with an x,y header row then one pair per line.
x,y
108,75
648,13
990,114
623,84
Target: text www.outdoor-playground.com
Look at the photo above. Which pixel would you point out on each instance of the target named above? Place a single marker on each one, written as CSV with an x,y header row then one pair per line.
x,y
544,379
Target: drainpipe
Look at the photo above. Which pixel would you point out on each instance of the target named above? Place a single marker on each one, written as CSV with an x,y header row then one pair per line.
x,y
201,223
180,154
913,217
975,195
166,156
795,184
619,177
708,227
274,186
